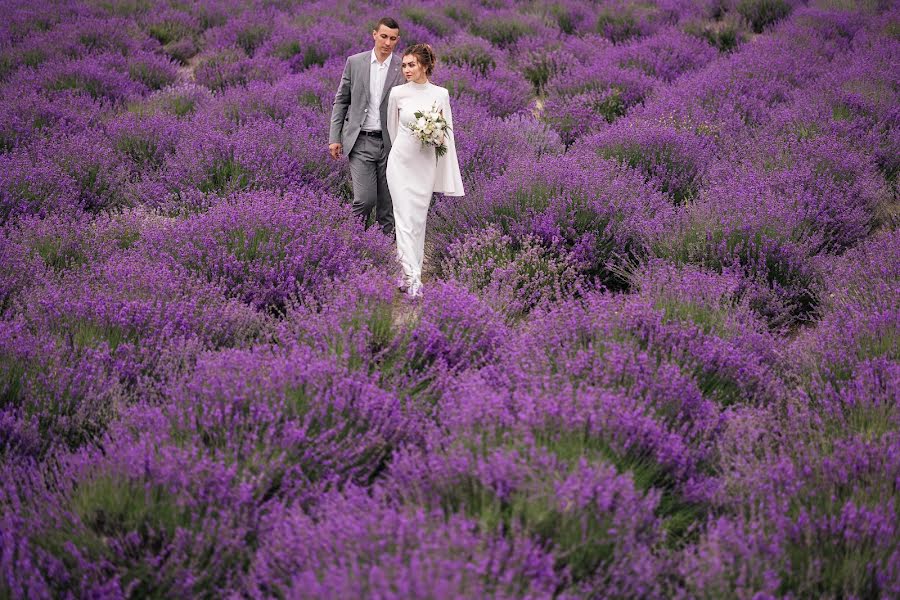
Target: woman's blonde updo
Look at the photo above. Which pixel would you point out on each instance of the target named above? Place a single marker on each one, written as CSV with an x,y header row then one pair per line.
x,y
424,54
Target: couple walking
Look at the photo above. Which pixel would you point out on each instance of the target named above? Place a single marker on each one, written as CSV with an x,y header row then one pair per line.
x,y
372,124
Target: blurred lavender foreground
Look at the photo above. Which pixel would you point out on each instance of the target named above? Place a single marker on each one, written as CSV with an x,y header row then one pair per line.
x,y
657,356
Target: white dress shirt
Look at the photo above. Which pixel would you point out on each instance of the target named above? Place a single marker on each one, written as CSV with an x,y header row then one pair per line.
x,y
377,75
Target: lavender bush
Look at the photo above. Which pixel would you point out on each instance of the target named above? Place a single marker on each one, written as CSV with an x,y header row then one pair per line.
x,y
266,249
590,209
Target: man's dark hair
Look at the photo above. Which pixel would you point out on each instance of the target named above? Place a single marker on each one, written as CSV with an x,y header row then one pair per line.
x,y
387,22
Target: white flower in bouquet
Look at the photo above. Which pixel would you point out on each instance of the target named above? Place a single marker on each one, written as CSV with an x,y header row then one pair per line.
x,y
430,128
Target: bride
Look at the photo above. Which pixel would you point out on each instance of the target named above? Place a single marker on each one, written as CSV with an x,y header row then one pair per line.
x,y
414,171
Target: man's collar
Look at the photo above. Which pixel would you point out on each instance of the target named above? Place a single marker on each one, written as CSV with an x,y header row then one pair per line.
x,y
374,58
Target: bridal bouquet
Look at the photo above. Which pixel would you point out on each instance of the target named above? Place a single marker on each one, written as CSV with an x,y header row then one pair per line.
x,y
430,128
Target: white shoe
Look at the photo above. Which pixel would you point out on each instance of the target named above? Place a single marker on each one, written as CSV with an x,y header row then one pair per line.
x,y
414,290
402,284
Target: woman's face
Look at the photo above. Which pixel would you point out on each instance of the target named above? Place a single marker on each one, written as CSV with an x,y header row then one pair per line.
x,y
412,70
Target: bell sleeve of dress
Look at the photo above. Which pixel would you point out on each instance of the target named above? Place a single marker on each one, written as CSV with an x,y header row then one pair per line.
x,y
393,115
448,179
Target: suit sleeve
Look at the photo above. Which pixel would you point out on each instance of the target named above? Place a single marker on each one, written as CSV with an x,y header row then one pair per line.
x,y
341,104
393,115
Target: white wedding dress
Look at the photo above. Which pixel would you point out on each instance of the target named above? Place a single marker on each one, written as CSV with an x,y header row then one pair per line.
x,y
414,172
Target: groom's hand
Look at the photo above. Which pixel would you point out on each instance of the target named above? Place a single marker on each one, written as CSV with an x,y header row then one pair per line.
x,y
335,150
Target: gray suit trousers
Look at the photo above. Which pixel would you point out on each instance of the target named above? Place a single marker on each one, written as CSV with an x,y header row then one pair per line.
x,y
368,165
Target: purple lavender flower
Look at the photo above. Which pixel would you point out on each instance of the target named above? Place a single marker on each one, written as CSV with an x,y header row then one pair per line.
x,y
145,142
285,41
602,88
67,174
763,13
665,55
68,392
514,277
622,21
599,213
463,50
229,67
19,269
354,545
502,91
674,161
175,30
598,526
26,116
266,249
247,30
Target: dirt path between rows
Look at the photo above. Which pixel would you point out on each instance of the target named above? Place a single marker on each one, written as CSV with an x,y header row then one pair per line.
x,y
186,72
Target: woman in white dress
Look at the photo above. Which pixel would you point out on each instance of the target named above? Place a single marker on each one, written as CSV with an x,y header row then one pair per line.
x,y
414,171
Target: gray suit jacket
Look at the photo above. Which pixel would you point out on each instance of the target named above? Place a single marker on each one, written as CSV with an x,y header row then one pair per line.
x,y
351,102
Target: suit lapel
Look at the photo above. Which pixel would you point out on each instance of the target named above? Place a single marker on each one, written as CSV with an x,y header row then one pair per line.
x,y
391,78
365,71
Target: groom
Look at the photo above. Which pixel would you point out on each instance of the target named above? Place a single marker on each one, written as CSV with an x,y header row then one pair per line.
x,y
359,123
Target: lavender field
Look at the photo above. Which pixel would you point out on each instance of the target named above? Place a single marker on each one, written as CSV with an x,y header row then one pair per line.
x,y
657,352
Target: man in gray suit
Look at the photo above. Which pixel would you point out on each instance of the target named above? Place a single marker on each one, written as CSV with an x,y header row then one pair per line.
x,y
359,123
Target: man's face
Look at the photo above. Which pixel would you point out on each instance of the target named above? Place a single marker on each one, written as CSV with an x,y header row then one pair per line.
x,y
385,40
